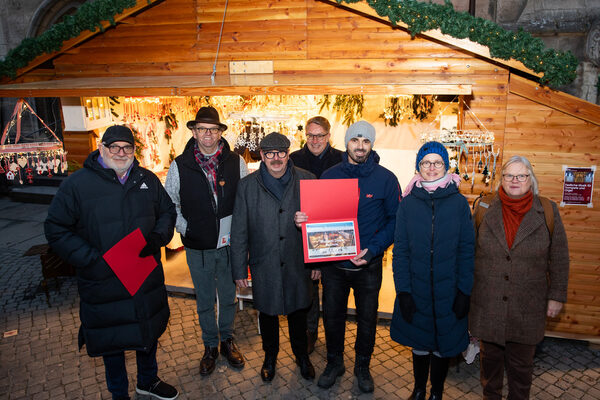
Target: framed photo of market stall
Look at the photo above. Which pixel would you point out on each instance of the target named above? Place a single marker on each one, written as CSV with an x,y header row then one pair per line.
x,y
275,67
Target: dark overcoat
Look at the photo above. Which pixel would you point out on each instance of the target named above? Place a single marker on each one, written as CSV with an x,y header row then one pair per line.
x,y
512,286
90,213
264,237
433,258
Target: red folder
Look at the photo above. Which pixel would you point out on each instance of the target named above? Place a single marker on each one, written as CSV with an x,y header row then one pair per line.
x,y
123,258
328,201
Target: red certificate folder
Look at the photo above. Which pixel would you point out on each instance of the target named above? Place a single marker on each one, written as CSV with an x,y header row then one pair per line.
x,y
331,232
124,260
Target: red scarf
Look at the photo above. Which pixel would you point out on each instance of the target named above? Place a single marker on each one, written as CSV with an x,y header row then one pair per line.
x,y
513,211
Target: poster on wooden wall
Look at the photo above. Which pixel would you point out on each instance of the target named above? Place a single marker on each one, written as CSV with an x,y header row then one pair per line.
x,y
578,186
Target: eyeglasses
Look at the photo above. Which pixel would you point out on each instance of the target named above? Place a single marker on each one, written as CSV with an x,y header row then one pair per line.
x,y
115,149
203,130
510,178
310,136
427,164
271,154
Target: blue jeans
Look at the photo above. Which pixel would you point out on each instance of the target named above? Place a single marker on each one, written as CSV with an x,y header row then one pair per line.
x,y
211,274
366,283
116,372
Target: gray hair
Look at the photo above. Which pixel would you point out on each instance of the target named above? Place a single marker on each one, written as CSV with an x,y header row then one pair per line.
x,y
527,164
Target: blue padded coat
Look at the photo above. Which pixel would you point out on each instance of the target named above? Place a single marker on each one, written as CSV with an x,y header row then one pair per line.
x,y
433,258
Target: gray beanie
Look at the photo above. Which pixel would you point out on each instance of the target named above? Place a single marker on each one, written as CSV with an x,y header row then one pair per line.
x,y
360,129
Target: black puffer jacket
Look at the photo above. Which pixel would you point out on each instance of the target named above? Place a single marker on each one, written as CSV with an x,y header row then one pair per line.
x,y
91,212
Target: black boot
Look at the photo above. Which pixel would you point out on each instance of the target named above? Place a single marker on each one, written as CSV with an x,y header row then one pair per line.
x,y
306,368
333,369
421,373
361,370
439,370
267,372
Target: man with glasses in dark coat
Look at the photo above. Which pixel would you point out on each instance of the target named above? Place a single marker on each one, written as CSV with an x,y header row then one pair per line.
x,y
264,237
316,156
94,209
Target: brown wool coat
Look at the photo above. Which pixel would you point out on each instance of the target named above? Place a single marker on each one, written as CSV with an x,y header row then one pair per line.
x,y
512,287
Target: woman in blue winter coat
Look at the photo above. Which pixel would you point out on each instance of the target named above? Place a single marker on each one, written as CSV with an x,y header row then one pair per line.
x,y
433,269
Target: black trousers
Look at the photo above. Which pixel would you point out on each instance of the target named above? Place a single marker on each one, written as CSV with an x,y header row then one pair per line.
x,y
366,283
269,331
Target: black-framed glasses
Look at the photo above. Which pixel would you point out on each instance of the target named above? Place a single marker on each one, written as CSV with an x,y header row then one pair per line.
x,y
427,164
510,177
202,130
271,154
319,137
116,149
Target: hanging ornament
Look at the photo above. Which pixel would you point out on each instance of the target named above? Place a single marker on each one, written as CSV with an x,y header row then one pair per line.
x,y
22,161
10,176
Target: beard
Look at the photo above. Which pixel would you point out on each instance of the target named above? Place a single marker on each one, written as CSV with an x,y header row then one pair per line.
x,y
359,158
119,168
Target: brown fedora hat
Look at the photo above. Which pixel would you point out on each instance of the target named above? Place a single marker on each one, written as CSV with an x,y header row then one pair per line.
x,y
208,115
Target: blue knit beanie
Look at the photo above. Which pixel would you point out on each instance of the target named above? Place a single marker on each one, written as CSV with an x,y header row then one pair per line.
x,y
433,147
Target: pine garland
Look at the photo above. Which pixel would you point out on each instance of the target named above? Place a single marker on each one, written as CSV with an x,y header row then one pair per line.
x,y
88,17
558,68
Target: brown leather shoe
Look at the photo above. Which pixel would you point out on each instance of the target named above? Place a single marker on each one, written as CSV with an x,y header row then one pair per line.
x,y
207,364
232,353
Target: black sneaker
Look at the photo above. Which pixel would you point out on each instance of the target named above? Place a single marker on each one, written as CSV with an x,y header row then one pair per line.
x,y
159,390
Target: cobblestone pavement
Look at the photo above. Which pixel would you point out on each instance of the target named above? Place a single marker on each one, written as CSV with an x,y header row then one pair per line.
x,y
41,360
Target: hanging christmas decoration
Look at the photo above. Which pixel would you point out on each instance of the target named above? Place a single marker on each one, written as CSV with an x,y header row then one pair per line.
x,y
398,108
18,147
348,106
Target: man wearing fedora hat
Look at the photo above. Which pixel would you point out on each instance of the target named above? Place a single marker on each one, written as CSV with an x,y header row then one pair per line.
x,y
202,183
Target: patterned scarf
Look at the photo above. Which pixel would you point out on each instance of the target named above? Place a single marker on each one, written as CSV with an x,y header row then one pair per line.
x,y
513,211
209,165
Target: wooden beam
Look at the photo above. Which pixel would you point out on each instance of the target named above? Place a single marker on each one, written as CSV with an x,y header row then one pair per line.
x,y
69,44
564,102
309,83
465,44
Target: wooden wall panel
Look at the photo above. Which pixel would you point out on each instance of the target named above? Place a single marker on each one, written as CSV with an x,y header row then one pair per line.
x,y
549,139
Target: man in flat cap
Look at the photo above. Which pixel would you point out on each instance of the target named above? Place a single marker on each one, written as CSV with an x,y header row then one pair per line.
x,y
377,206
264,237
202,182
94,208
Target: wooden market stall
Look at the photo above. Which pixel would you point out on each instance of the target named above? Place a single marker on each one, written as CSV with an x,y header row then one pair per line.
x,y
195,48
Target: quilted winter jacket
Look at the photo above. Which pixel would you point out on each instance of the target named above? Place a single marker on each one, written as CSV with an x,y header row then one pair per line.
x,y
512,286
90,213
433,258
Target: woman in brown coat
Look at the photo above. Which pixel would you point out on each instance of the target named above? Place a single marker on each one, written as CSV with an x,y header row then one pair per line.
x,y
521,275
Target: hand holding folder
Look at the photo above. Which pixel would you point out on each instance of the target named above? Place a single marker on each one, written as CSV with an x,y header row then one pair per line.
x,y
123,258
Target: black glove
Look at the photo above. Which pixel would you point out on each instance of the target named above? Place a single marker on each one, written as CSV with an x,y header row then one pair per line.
x,y
407,306
461,304
153,245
